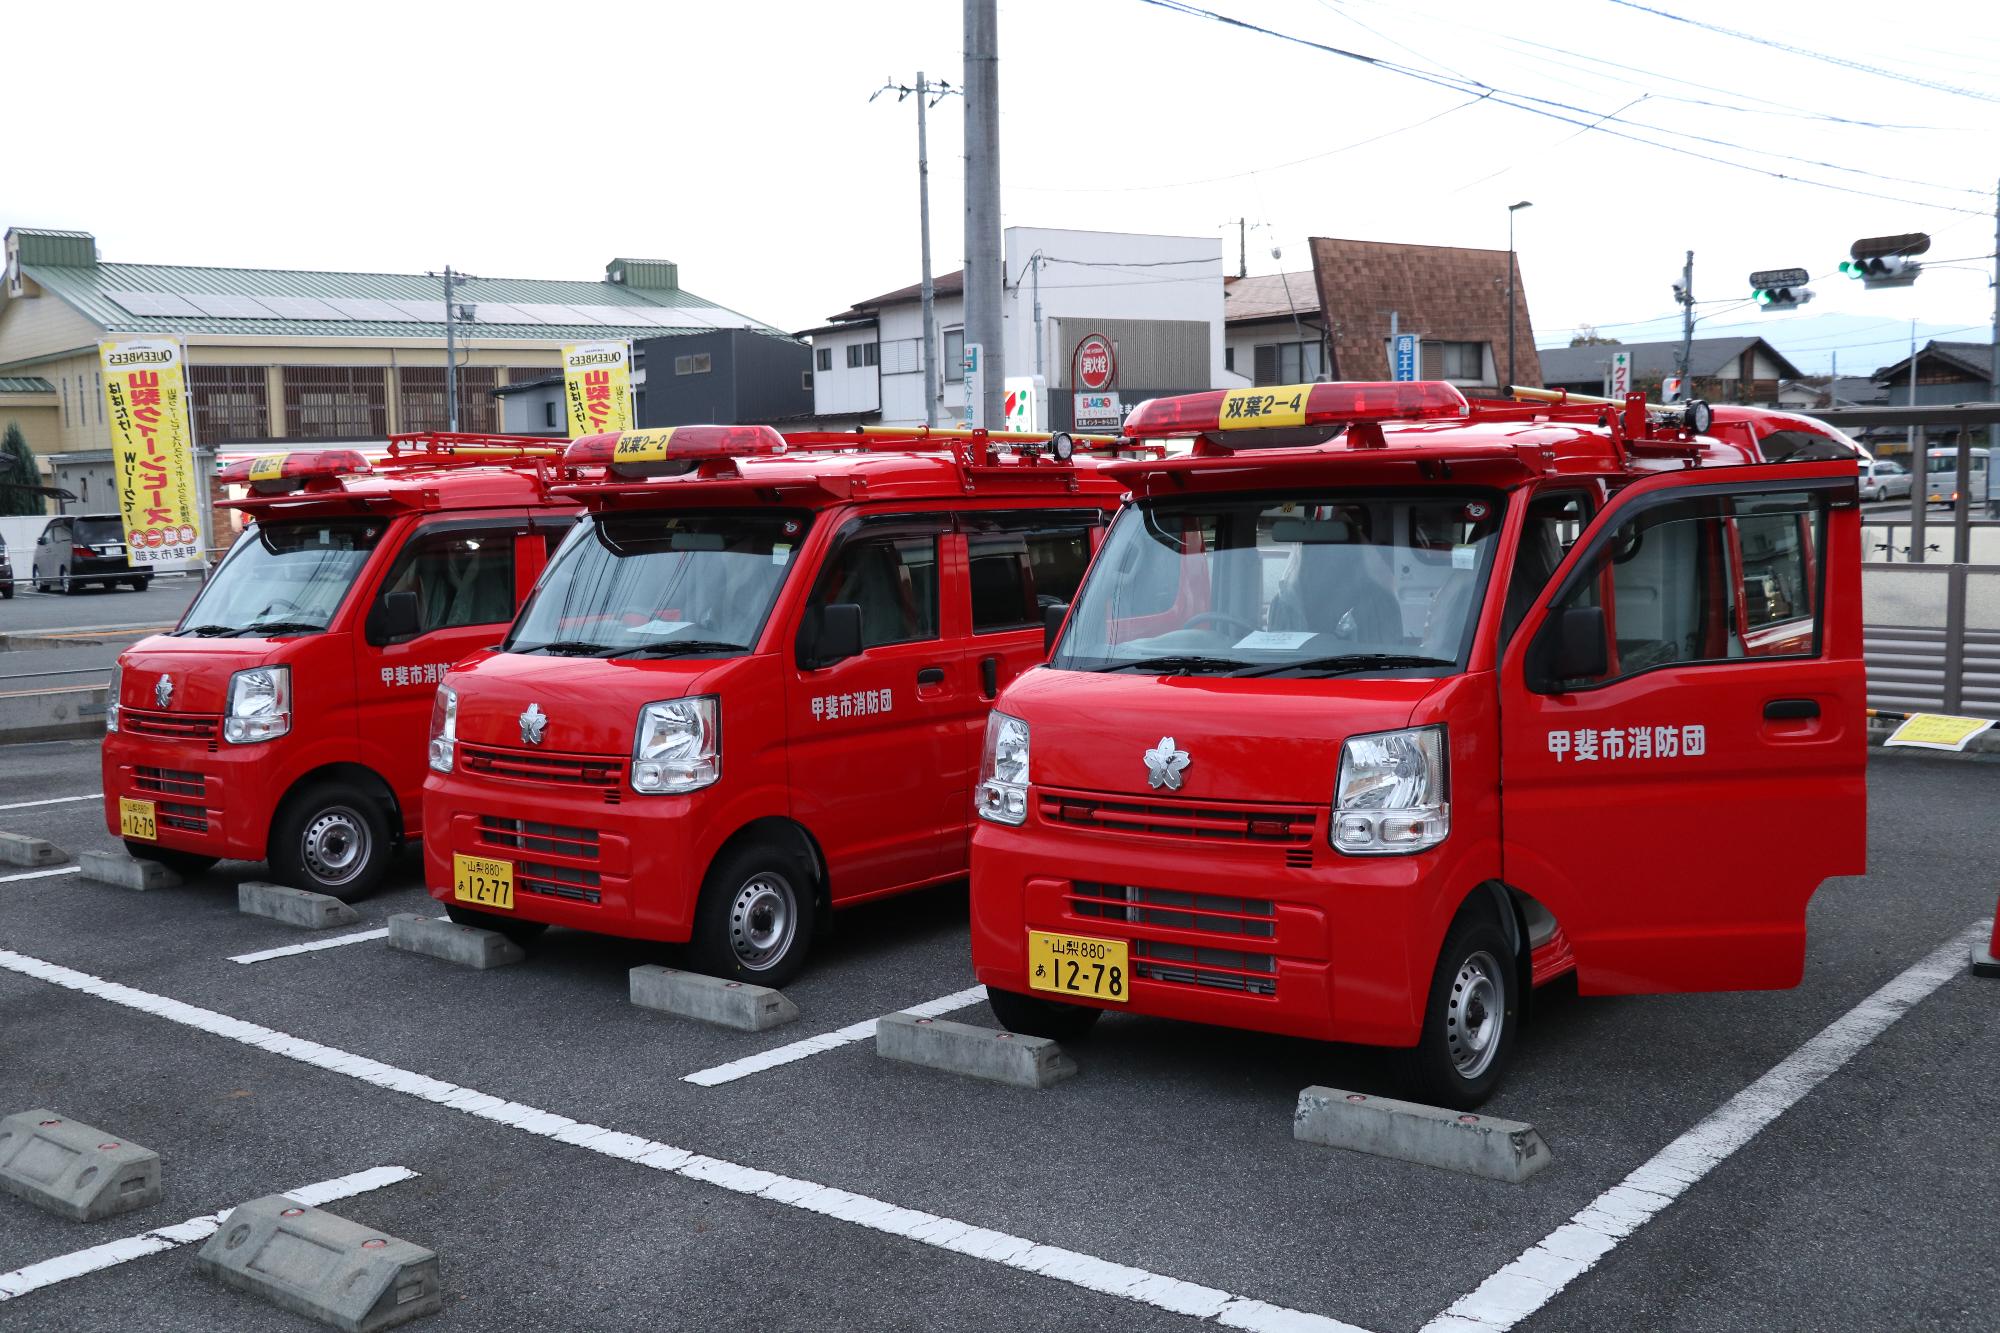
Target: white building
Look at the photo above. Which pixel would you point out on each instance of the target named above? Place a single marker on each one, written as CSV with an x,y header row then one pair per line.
x,y
1158,299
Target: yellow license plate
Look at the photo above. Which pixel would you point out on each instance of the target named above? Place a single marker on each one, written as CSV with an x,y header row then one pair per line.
x,y
482,881
135,820
1078,965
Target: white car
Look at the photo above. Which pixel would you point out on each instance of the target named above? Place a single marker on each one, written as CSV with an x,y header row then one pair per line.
x,y
1884,480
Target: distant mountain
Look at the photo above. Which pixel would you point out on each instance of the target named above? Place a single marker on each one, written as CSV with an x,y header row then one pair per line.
x,y
1811,342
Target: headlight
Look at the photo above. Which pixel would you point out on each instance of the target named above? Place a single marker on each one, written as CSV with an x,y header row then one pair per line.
x,y
260,705
111,696
1394,793
1003,770
676,748
444,729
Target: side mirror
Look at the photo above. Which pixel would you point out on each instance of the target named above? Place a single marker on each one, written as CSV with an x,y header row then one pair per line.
x,y
1571,647
834,634
1052,623
394,616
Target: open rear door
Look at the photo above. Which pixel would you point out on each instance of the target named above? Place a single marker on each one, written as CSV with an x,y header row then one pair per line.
x,y
1677,808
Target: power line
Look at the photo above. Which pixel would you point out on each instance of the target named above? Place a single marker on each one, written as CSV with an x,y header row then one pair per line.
x,y
1541,106
1842,61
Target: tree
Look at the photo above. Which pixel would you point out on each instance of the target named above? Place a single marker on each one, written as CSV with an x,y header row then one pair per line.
x,y
1588,336
18,470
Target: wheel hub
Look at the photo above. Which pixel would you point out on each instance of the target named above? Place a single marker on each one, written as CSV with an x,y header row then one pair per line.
x,y
762,920
335,847
1476,1016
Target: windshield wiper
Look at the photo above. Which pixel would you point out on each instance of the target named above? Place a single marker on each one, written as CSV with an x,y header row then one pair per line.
x,y
205,631
280,627
679,647
1342,663
562,648
1185,665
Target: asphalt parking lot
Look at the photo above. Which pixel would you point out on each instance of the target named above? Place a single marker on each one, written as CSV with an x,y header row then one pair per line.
x,y
839,1190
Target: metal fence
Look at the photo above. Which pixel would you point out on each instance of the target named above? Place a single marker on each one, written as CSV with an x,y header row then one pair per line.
x,y
1931,634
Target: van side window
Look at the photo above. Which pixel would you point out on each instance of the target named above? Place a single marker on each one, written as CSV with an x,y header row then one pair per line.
x,y
1016,575
1552,526
461,576
1708,579
894,580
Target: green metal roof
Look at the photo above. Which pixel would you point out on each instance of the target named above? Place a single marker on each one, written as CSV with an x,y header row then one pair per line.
x,y
25,384
92,290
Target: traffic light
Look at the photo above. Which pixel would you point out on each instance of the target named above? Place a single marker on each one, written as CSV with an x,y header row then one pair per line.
x,y
1781,298
1883,270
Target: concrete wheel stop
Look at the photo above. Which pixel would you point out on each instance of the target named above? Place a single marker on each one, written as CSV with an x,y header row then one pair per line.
x,y
975,1052
127,872
18,849
294,907
467,946
75,1170
730,1004
322,1266
1478,1145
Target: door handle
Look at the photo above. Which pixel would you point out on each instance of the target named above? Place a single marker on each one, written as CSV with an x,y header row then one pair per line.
x,y
931,675
989,676
1790,710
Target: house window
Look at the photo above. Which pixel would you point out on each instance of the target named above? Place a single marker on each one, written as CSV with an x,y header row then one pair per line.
x,y
806,380
954,356
100,397
230,403
422,401
549,415
696,364
339,402
1461,361
825,356
861,354
1287,363
1229,358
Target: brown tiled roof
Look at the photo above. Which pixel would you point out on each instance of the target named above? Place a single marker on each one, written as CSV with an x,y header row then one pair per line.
x,y
943,284
1270,296
1443,293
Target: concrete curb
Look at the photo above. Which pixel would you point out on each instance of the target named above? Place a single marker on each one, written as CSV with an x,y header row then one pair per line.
x,y
729,1004
323,1266
18,849
74,1170
52,715
127,872
294,907
468,946
960,1048
1427,1135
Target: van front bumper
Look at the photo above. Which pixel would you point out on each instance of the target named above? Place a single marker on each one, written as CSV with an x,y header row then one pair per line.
x,y
209,798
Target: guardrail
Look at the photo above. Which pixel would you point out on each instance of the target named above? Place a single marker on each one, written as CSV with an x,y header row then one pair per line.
x,y
1931,636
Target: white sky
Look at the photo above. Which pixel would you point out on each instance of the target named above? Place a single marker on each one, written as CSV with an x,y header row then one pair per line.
x,y
738,140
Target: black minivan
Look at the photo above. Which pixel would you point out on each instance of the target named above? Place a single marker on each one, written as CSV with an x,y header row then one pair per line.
x,y
75,550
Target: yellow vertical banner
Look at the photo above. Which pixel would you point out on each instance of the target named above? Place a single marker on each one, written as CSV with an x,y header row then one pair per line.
x,y
597,387
152,450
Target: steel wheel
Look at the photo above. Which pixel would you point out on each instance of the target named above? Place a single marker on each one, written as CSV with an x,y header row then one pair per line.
x,y
763,918
335,845
1476,1014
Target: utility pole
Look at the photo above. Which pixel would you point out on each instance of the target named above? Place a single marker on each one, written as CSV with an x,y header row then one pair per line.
x,y
928,96
1242,226
1685,295
984,276
1035,266
452,281
1993,431
1512,209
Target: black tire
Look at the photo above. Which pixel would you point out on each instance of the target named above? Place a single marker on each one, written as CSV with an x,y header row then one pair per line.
x,y
332,838
70,587
1472,1015
139,584
1033,1016
756,916
513,927
181,863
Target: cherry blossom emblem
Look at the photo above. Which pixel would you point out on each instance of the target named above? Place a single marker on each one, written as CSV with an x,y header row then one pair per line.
x,y
1165,764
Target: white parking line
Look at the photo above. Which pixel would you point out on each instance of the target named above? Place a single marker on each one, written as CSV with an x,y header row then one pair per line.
x,y
1081,1270
112,1253
40,874
54,800
1572,1249
826,1041
310,946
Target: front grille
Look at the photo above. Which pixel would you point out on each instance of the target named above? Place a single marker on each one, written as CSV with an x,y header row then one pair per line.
x,y
1223,918
1271,825
186,818
532,766
1215,969
170,782
170,726
551,881
525,835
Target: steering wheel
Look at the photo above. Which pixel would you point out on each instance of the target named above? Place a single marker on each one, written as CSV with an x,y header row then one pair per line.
x,y
1224,616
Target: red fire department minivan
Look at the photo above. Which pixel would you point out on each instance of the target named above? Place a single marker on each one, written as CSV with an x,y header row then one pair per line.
x,y
284,718
752,684
1379,708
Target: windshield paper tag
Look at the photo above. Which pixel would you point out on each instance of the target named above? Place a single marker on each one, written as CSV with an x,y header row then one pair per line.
x,y
1277,640
1464,557
781,553
661,627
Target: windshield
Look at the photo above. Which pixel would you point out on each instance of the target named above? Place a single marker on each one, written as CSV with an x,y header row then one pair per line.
x,y
1313,584
288,577
1947,461
661,584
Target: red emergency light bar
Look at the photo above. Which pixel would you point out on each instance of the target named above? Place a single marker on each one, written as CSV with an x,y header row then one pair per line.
x,y
672,450
1295,407
275,474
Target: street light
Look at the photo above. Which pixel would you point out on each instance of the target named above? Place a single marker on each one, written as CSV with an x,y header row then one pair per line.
x,y
1512,209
